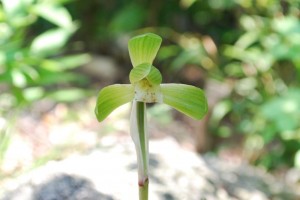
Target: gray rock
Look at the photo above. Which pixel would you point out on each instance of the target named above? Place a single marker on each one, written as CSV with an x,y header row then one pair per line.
x,y
109,173
103,68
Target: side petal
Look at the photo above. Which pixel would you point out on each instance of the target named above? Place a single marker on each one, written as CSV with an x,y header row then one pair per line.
x,y
187,99
143,48
139,72
111,97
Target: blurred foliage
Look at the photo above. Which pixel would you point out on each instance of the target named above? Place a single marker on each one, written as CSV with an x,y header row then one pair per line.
x,y
263,67
251,46
33,36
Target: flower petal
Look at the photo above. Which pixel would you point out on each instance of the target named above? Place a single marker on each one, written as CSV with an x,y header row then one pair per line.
x,y
143,48
139,72
187,99
111,97
154,77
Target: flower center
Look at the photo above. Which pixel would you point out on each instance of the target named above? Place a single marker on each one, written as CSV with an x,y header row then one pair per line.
x,y
146,92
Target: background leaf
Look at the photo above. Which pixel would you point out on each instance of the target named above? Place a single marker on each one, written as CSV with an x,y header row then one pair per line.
x,y
56,14
50,41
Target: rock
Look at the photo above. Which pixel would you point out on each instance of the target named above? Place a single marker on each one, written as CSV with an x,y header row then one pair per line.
x,y
109,173
103,68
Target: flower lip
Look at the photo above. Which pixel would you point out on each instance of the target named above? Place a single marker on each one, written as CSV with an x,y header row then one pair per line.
x,y
146,92
139,72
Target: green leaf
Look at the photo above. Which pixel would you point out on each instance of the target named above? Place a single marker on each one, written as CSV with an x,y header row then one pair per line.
x,y
187,99
50,41
16,14
2,58
139,72
111,97
47,77
73,61
297,159
154,77
64,63
54,14
284,111
18,78
122,20
143,48
33,93
12,7
68,95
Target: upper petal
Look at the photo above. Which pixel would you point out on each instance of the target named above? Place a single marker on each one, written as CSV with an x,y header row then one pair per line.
x,y
143,48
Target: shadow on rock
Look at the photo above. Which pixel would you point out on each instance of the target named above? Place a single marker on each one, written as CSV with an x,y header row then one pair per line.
x,y
66,187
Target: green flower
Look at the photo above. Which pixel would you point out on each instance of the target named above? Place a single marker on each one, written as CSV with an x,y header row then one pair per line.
x,y
146,84
146,87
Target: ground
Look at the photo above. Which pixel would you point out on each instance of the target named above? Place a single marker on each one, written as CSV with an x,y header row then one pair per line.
x,y
58,149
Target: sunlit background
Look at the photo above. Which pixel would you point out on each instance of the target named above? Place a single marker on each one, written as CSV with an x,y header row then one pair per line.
x,y
55,55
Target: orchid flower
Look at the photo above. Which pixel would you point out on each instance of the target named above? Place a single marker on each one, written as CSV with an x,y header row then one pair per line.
x,y
146,87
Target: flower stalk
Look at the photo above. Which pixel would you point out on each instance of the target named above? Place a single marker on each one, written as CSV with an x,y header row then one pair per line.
x,y
144,143
138,130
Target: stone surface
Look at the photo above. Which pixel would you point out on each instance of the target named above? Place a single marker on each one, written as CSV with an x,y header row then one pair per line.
x,y
109,173
103,68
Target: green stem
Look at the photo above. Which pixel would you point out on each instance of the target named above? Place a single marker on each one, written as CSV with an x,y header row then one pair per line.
x,y
143,191
143,140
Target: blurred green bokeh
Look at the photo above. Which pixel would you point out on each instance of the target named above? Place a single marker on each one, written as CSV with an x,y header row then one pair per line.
x,y
252,47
